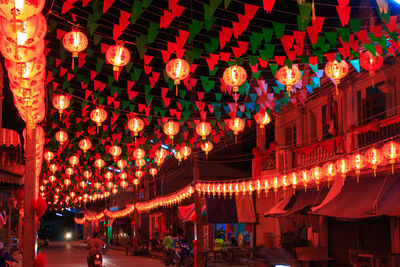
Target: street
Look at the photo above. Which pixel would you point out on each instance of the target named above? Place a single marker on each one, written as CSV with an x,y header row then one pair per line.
x,y
73,254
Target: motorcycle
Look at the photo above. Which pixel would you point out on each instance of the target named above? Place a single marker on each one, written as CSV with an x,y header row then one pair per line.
x,y
96,260
184,255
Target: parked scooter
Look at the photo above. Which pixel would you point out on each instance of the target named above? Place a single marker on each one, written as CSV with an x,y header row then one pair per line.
x,y
96,260
184,255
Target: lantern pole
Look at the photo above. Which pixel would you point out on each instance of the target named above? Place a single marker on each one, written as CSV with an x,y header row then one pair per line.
x,y
29,226
199,237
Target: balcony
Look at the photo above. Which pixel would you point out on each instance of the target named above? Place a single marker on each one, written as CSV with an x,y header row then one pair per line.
x,y
319,152
11,161
376,131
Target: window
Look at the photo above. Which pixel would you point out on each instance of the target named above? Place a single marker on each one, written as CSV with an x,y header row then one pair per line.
x,y
269,131
373,106
328,130
290,133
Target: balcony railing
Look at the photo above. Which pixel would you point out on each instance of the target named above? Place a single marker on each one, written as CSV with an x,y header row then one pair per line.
x,y
377,131
10,155
318,155
268,162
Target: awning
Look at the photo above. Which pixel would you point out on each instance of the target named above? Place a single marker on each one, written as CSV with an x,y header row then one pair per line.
x,y
279,208
187,213
304,200
9,137
238,209
390,204
358,200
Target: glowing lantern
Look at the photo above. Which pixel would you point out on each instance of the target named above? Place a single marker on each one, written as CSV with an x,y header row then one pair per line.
x,y
374,157
73,160
161,153
18,53
61,137
136,182
139,153
108,175
123,184
316,174
24,33
26,70
61,102
67,182
203,129
236,125
48,156
52,178
336,71
135,125
114,190
262,119
358,162
69,171
110,184
235,76
153,172
115,151
97,185
171,128
206,147
185,151
275,185
293,180
139,173
85,145
159,161
178,70
140,163
20,9
42,188
83,184
123,175
53,168
288,77
99,163
329,170
391,150
75,41
342,167
118,56
371,63
122,164
178,155
87,174
98,115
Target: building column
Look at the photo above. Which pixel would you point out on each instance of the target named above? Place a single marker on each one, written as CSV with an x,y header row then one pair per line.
x,y
29,226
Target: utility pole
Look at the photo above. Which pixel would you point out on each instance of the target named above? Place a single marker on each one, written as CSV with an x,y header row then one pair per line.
x,y
29,226
197,204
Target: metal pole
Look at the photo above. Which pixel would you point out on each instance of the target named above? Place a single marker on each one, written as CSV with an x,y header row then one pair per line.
x,y
197,204
29,225
9,218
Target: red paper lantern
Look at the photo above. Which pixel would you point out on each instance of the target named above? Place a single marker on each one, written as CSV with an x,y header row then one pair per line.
x,y
110,185
288,77
69,171
235,76
20,9
371,63
61,103
391,150
136,182
85,145
139,153
136,125
123,175
203,129
171,128
262,119
98,115
185,151
178,155
159,161
52,178
61,137
24,33
122,164
153,171
73,160
236,125
161,153
48,156
336,71
83,184
343,167
316,174
329,170
75,41
99,163
26,70
118,56
115,151
374,157
108,175
123,184
358,162
139,173
206,147
53,168
177,69
18,53
140,163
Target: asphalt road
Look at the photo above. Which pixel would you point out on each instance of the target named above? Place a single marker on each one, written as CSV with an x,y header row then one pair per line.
x,y
73,254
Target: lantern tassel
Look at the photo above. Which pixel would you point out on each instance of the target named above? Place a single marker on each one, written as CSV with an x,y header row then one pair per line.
x,y
73,63
392,168
337,90
176,90
374,172
313,11
358,178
